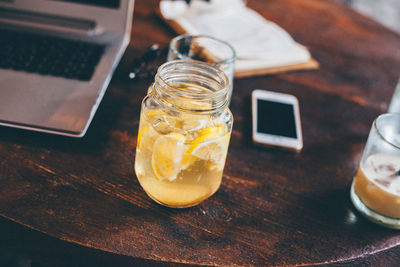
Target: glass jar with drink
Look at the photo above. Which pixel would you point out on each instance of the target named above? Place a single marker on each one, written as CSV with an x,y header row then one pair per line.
x,y
184,131
375,191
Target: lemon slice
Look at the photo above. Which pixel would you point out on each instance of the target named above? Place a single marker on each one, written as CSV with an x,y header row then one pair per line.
x,y
212,150
168,151
146,134
143,131
146,137
212,131
211,144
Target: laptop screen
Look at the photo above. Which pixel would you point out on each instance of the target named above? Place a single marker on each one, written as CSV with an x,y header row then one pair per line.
x,y
103,3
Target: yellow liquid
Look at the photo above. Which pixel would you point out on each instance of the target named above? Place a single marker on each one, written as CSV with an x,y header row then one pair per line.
x,y
193,178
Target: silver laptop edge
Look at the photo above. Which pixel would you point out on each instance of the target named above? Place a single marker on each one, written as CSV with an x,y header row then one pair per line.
x,y
72,116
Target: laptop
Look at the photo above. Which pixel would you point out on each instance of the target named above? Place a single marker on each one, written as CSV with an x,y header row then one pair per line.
x,y
57,58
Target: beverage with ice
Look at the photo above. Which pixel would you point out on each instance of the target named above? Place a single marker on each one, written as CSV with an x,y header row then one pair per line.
x,y
377,184
183,136
375,190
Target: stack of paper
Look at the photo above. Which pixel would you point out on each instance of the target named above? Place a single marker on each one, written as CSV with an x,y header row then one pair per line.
x,y
261,45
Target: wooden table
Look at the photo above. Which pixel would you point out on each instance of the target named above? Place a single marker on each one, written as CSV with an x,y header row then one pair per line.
x,y
273,208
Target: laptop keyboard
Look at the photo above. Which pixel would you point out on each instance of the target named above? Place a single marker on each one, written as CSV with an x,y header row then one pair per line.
x,y
48,55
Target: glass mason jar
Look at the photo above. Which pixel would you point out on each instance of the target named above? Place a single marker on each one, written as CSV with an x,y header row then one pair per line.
x,y
184,131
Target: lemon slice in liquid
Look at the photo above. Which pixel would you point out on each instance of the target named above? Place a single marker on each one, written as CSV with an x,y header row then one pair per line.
x,y
168,151
211,144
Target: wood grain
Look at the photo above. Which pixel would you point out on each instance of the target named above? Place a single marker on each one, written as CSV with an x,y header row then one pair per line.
x,y
273,208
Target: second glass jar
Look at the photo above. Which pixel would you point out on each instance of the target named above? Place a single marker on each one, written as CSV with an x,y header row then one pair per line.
x,y
184,132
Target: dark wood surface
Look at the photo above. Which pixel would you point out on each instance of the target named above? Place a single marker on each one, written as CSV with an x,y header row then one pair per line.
x,y
85,205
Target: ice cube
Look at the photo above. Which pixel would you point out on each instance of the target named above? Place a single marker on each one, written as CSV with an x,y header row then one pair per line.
x,y
383,165
193,124
164,125
382,182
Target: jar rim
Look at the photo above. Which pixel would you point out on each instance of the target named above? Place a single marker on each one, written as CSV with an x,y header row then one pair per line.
x,y
377,126
200,72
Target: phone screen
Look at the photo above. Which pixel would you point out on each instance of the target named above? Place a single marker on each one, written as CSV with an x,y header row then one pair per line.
x,y
276,118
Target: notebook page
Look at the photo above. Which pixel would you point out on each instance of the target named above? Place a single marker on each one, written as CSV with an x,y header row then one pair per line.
x,y
259,43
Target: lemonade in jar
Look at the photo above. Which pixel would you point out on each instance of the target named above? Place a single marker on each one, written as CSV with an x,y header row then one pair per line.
x,y
184,131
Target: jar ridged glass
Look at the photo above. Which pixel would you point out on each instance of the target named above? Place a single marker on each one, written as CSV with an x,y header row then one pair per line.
x,y
184,132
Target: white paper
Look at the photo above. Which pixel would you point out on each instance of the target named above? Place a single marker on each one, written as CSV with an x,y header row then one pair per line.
x,y
259,43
